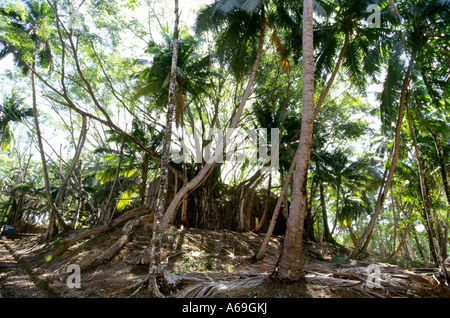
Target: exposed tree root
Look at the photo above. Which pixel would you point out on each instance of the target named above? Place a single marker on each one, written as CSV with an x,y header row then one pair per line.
x,y
158,285
110,252
68,242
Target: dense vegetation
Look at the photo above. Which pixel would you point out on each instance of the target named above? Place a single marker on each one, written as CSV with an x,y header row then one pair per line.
x,y
96,96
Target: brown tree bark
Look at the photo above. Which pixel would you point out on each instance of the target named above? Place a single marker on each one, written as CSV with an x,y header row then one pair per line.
x,y
113,249
266,207
442,166
290,266
434,245
156,270
74,162
53,209
68,242
366,236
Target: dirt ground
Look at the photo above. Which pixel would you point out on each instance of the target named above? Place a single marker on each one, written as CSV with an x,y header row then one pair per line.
x,y
203,263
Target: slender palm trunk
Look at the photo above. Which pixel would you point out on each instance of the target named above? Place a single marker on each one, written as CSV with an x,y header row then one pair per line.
x,y
416,239
394,8
156,269
207,168
405,233
442,166
54,211
75,159
276,212
394,240
327,237
395,153
266,207
330,81
104,217
290,266
423,190
323,95
338,190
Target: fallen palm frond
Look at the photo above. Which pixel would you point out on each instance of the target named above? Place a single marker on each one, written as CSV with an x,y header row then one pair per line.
x,y
208,288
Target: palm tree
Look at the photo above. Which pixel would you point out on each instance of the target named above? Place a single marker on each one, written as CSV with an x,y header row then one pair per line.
x,y
156,271
419,23
192,73
128,163
291,262
11,110
238,26
224,7
349,179
38,12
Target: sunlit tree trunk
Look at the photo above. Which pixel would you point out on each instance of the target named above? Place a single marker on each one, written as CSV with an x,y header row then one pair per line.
x,y
395,153
156,270
290,266
54,212
433,238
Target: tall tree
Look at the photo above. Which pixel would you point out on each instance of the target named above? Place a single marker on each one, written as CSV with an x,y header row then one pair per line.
x,y
420,20
11,110
290,266
156,270
207,168
38,12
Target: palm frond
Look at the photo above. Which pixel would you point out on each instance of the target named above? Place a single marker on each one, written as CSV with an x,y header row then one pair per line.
x,y
250,5
390,92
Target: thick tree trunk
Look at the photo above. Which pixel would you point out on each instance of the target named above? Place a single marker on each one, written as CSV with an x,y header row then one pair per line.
x,y
395,153
204,172
290,267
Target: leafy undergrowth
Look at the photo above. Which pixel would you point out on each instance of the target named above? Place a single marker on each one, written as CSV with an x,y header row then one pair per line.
x,y
219,264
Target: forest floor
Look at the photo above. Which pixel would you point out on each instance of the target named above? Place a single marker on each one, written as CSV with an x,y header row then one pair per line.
x,y
205,264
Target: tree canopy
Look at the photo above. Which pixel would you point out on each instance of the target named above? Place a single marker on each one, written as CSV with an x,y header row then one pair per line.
x,y
101,99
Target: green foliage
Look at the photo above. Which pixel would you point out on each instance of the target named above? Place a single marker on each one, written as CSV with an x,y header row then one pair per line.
x,y
11,110
95,67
